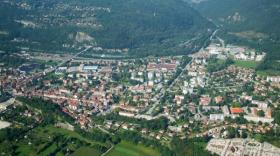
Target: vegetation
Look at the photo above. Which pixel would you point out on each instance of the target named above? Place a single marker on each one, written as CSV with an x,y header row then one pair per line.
x,y
246,64
187,147
261,113
276,115
51,112
215,64
4,96
272,136
156,124
11,60
128,149
95,139
248,25
145,27
136,138
86,151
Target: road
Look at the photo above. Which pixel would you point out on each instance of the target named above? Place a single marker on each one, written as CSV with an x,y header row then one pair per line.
x,y
222,41
162,92
103,130
112,146
213,34
51,69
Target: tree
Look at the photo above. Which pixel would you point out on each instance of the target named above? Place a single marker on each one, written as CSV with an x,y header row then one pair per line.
x,y
231,132
244,134
259,138
236,105
277,117
261,113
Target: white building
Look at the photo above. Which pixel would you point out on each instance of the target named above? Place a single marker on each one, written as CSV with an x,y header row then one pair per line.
x,y
273,79
217,117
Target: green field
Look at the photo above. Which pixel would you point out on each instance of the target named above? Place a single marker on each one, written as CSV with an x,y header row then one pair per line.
x,y
128,149
86,151
51,140
268,73
246,64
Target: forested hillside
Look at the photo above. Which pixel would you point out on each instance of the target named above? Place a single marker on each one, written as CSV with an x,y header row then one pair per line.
x,y
147,27
249,22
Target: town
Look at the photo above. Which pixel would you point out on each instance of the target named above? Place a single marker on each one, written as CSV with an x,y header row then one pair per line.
x,y
208,93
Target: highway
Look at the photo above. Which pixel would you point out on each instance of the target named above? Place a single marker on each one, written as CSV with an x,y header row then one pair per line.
x,y
52,69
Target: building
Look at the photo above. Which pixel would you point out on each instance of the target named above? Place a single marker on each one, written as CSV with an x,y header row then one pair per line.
x,y
236,110
219,99
261,104
90,68
217,117
258,119
275,79
226,110
205,100
121,113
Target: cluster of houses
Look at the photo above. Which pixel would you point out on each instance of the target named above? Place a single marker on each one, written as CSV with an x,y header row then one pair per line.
x,y
167,134
198,72
86,87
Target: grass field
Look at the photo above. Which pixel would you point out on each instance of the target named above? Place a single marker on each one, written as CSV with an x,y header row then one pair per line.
x,y
246,64
268,73
129,149
48,140
86,151
52,129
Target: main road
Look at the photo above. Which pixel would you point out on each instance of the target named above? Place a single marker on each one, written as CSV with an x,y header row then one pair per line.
x,y
52,69
162,92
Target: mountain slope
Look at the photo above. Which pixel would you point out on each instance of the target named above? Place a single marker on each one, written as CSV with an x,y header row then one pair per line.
x,y
250,22
146,27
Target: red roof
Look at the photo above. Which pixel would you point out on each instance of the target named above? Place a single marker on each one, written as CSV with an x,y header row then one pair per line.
x,y
169,66
236,110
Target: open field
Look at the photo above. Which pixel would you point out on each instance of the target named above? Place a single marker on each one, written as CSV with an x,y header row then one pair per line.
x,y
50,140
246,64
268,73
128,149
86,151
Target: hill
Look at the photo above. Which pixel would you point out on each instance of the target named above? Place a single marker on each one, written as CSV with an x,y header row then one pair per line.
x,y
147,27
249,22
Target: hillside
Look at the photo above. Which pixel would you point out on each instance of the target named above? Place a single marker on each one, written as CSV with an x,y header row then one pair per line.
x,y
249,22
147,27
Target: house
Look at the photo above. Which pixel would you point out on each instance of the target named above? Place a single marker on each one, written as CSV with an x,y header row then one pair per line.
x,y
150,75
179,99
219,99
268,113
74,104
205,100
125,126
192,108
236,110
